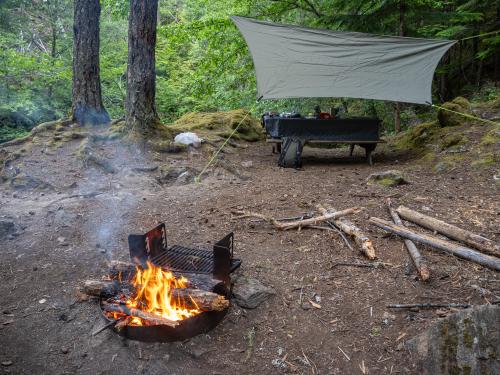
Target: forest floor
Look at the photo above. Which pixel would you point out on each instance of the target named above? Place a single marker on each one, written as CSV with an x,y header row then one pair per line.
x,y
71,220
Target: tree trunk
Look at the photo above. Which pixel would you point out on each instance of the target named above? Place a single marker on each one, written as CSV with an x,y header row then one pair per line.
x,y
397,112
141,113
87,100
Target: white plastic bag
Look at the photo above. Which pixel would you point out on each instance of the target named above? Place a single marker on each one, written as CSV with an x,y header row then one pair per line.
x,y
188,138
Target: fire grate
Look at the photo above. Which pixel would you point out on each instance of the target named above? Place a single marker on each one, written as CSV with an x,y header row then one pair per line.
x,y
153,247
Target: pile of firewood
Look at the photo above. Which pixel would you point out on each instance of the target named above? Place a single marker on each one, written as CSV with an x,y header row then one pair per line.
x,y
197,294
485,252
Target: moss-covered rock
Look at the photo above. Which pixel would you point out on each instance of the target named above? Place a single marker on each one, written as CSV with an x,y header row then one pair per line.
x,y
220,124
451,140
488,159
387,178
417,137
491,138
450,114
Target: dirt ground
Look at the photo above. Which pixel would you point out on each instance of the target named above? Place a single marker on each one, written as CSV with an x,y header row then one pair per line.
x,y
67,232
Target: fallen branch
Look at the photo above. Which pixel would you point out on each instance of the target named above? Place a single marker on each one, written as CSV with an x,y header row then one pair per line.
x,y
360,264
416,257
130,311
364,243
429,306
298,223
437,243
483,244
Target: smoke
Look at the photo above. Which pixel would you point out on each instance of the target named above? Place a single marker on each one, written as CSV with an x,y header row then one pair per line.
x,y
111,212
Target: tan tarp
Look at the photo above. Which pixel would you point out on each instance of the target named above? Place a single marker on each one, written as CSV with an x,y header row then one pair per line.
x,y
292,62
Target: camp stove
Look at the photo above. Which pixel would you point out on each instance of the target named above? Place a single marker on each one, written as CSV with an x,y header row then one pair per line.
x,y
189,262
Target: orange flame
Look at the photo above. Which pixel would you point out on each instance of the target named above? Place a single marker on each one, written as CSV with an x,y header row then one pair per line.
x,y
153,294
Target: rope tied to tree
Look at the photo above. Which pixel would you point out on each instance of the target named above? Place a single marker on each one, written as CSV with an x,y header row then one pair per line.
x,y
197,179
465,115
480,35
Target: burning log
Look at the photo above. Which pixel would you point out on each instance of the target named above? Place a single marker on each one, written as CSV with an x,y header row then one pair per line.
x,y
437,243
364,243
299,223
416,257
483,244
130,311
200,299
100,288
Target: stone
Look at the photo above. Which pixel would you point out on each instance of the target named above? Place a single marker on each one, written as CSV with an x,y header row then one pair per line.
x,y
467,342
247,164
250,293
7,228
24,182
448,118
387,178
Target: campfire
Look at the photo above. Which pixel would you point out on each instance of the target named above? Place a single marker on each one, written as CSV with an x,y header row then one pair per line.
x,y
167,293
156,295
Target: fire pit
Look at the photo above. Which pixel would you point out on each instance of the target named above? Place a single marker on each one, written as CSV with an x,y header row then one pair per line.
x,y
167,293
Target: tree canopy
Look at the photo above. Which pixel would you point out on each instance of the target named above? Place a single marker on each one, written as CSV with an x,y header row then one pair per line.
x,y
202,61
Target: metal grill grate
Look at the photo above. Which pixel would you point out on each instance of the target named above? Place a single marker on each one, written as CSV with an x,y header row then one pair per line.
x,y
179,258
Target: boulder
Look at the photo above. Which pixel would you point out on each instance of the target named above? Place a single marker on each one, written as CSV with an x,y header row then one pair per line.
x,y
448,118
467,342
250,293
387,178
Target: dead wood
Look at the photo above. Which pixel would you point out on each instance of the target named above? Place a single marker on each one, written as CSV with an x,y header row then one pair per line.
x,y
429,306
200,299
130,311
364,243
437,243
298,223
360,264
482,244
416,257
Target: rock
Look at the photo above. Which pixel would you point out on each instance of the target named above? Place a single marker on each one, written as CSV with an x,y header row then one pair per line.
x,y
250,293
7,228
443,166
64,350
247,164
22,181
7,363
467,342
447,118
169,175
387,178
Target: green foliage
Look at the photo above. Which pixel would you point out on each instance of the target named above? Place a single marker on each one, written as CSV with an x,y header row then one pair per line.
x,y
203,63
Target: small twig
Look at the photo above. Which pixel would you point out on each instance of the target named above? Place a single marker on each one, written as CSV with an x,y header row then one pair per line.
x,y
107,325
337,229
429,305
344,353
360,264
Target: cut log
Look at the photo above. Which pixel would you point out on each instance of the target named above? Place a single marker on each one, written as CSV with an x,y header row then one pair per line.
x,y
416,257
299,223
100,288
121,270
437,243
201,299
480,243
364,243
130,311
